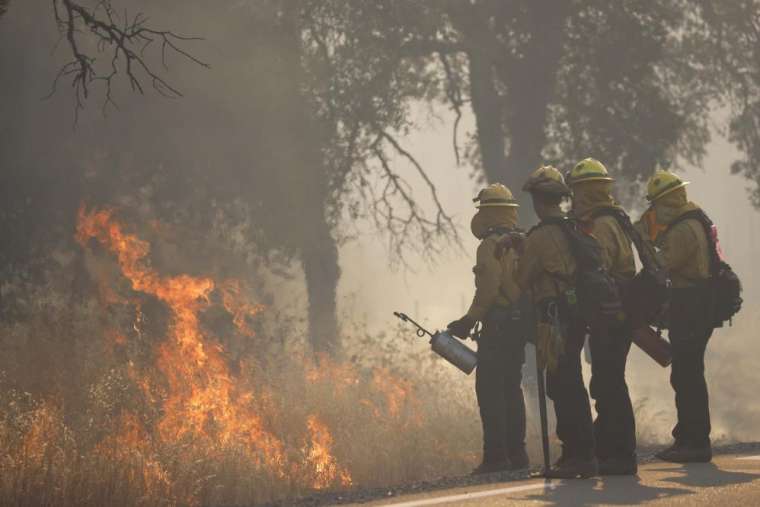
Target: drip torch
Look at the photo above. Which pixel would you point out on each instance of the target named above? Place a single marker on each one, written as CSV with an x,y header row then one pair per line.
x,y
446,346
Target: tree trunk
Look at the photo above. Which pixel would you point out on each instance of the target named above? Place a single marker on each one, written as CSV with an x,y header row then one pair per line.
x,y
472,21
531,81
487,107
320,265
307,192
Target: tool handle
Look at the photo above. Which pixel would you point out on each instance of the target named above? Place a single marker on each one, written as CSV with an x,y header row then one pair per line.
x,y
543,415
421,331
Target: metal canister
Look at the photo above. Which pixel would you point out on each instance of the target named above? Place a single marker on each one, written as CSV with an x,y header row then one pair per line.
x,y
454,351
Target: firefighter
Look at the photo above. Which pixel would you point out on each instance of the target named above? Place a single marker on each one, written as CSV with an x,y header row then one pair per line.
x,y
614,427
685,249
501,342
546,270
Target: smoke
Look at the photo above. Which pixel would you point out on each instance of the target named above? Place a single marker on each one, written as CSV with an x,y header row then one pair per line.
x,y
201,153
441,292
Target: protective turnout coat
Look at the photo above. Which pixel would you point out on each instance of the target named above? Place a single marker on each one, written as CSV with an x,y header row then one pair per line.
x,y
617,253
495,266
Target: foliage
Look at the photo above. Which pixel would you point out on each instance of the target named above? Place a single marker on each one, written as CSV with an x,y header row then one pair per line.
x,y
729,33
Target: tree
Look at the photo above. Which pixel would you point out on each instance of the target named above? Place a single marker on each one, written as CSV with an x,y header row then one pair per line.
x,y
351,82
727,42
559,82
325,103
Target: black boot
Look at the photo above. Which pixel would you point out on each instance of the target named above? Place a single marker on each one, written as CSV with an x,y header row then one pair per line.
x,y
519,460
491,467
618,466
686,453
573,468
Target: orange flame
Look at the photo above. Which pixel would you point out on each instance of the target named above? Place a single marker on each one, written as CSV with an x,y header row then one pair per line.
x,y
202,405
237,306
202,402
396,392
131,444
325,469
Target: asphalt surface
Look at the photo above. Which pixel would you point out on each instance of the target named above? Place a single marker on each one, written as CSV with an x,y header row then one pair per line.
x,y
731,479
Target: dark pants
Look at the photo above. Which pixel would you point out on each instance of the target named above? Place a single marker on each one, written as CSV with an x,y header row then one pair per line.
x,y
690,330
565,387
501,354
687,376
614,427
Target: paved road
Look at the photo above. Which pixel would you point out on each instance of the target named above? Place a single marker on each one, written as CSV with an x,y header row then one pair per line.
x,y
729,480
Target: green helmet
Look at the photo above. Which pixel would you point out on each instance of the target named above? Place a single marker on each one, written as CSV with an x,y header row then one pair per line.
x,y
495,195
588,169
546,180
662,183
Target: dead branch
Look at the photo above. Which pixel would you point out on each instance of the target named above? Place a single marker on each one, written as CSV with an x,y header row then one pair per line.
x,y
125,38
454,95
396,210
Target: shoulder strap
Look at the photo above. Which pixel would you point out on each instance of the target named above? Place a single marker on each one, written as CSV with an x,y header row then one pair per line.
x,y
696,214
622,219
648,255
584,247
708,226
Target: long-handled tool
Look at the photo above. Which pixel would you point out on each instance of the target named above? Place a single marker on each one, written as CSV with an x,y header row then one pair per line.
x,y
541,381
446,346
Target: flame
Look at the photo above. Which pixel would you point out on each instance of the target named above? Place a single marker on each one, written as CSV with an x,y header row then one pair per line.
x,y
130,444
237,306
325,469
202,403
340,375
396,391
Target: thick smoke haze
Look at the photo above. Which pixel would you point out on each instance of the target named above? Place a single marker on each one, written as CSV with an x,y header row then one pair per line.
x,y
229,187
442,292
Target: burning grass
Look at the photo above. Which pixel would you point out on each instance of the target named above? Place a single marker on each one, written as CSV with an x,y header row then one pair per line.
x,y
167,416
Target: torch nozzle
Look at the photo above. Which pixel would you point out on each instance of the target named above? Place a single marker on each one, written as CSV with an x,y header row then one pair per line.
x,y
421,331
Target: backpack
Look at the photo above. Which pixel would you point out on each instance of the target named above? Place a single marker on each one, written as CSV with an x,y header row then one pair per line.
x,y
597,295
646,297
726,288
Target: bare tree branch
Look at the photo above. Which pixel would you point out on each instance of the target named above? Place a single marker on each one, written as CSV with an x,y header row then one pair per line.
x,y
454,94
396,210
127,37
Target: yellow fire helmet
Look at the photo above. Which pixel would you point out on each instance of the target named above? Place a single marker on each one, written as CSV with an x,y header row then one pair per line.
x,y
546,180
495,195
588,169
662,183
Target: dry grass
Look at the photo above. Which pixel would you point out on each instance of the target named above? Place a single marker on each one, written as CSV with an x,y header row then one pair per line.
x,y
101,446
117,395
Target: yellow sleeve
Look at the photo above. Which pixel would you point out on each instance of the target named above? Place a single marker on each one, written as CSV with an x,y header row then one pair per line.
x,y
487,279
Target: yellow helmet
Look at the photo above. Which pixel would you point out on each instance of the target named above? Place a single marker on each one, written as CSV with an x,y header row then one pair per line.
x,y
546,180
588,169
662,183
495,195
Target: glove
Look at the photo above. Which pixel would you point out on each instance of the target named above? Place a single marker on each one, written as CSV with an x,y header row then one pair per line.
x,y
461,328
